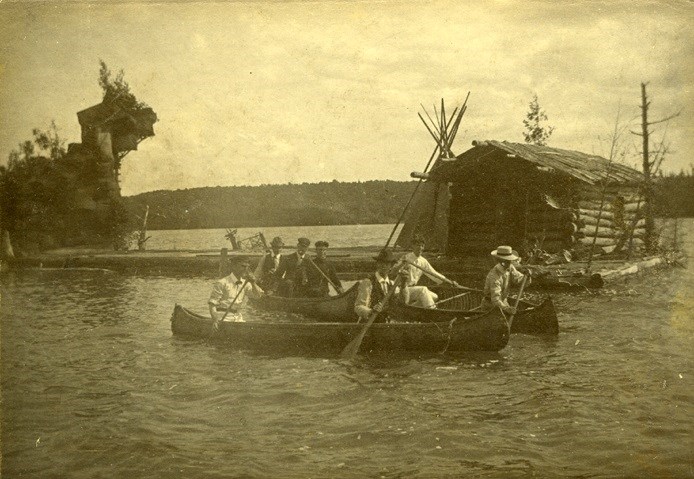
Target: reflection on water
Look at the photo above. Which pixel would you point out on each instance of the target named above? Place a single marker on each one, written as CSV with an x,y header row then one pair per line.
x,y
95,385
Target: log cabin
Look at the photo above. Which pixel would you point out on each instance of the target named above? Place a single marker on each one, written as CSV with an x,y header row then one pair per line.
x,y
529,197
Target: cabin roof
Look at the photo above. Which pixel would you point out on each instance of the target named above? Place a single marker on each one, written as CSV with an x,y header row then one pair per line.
x,y
590,169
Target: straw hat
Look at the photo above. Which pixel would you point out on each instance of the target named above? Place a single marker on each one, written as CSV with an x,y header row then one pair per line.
x,y
505,253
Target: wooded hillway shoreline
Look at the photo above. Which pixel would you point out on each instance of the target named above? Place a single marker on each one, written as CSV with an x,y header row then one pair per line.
x,y
306,204
325,203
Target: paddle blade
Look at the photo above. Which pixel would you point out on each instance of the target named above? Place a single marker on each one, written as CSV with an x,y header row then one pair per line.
x,y
352,348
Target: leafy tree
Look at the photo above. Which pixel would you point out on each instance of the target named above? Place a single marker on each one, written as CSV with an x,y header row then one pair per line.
x,y
116,89
535,132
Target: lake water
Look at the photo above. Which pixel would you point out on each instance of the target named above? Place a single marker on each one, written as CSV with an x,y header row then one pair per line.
x,y
95,386
337,236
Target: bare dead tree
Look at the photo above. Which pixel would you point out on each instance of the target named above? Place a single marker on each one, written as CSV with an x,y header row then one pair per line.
x,y
650,166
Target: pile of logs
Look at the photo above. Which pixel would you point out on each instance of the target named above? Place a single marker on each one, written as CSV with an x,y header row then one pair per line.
x,y
613,220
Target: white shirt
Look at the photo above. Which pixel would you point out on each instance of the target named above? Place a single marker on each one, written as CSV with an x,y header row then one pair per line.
x,y
361,304
225,290
414,274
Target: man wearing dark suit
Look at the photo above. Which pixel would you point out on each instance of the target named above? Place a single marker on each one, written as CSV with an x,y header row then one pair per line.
x,y
320,272
291,272
268,264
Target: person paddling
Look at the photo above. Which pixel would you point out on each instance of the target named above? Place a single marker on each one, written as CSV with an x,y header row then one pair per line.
x,y
321,274
414,265
232,288
374,289
498,282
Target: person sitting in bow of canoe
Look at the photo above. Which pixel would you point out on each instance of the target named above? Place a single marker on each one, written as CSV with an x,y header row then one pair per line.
x,y
291,272
268,264
321,274
229,293
415,265
498,282
374,289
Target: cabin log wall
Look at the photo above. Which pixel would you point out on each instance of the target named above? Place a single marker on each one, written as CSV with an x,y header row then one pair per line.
x,y
531,207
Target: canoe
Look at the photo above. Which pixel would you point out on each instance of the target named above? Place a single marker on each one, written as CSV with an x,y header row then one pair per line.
x,y
338,308
531,318
486,332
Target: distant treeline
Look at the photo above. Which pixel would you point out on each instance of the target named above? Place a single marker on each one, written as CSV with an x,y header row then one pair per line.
x,y
675,195
327,203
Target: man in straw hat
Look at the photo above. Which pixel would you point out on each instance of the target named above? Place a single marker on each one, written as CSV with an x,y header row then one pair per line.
x,y
291,273
374,289
499,279
268,264
238,283
415,265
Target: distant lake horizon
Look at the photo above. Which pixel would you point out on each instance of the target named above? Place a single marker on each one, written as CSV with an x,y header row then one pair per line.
x,y
359,235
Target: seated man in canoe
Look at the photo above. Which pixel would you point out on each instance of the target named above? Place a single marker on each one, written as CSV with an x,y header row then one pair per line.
x,y
414,264
268,264
498,282
320,274
374,289
229,293
291,272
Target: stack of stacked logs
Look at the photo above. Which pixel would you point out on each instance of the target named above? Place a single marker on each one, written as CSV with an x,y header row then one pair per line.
x,y
620,223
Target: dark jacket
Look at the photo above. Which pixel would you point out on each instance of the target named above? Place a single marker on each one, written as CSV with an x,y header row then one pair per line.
x,y
317,285
291,275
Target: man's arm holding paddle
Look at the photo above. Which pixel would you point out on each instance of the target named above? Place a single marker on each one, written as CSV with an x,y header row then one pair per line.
x,y
433,274
220,288
350,351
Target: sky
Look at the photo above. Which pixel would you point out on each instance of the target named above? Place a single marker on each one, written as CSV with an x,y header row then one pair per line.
x,y
261,92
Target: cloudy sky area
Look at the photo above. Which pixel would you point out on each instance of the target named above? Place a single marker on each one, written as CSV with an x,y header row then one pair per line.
x,y
263,92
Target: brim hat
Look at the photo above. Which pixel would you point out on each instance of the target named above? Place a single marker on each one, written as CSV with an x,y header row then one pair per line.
x,y
321,244
386,256
505,253
277,241
304,242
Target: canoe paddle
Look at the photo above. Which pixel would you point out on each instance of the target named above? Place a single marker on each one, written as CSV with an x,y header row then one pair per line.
x,y
310,261
353,347
518,298
233,302
444,279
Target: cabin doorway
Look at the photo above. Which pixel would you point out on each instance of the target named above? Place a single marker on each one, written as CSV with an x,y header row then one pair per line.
x,y
511,215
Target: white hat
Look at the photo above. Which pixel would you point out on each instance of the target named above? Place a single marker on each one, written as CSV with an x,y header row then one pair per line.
x,y
505,253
